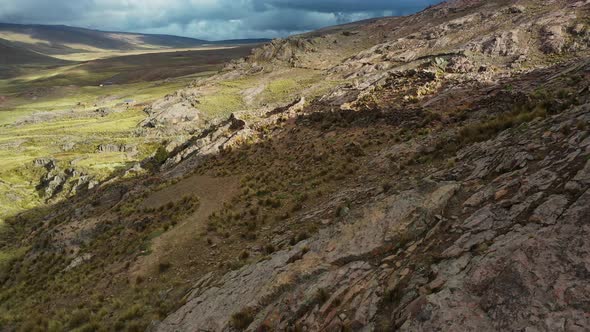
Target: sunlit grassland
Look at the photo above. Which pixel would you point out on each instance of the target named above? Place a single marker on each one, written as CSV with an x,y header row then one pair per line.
x,y
19,177
114,123
22,38
90,97
279,88
22,144
84,52
103,54
10,115
68,97
59,107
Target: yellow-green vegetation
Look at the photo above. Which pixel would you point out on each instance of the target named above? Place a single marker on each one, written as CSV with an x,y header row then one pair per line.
x,y
102,54
17,188
21,37
135,305
225,100
63,98
73,143
487,129
64,113
277,88
67,123
7,257
542,104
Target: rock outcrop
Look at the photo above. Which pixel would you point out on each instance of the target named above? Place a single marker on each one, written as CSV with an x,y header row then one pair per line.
x,y
493,241
227,134
56,180
500,247
504,44
126,148
554,39
175,112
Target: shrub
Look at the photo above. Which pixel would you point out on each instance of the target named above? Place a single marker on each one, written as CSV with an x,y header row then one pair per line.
x,y
297,207
78,318
342,211
251,226
132,312
485,130
161,155
321,296
89,327
244,255
300,237
269,249
164,266
211,227
241,320
562,93
565,130
135,327
386,186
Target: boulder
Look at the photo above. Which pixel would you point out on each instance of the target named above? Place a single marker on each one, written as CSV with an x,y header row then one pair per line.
x,y
106,148
516,9
175,112
553,39
548,212
503,44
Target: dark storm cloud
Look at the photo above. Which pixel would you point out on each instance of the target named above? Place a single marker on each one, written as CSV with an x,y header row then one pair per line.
x,y
330,6
208,19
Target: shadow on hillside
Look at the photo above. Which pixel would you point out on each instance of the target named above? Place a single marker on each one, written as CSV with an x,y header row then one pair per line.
x,y
303,160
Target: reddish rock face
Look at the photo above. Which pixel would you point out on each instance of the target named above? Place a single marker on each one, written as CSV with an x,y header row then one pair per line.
x,y
492,241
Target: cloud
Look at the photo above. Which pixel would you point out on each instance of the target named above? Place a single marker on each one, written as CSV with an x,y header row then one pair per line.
x,y
206,19
330,6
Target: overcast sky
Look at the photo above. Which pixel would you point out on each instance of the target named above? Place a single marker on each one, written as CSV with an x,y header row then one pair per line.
x,y
205,19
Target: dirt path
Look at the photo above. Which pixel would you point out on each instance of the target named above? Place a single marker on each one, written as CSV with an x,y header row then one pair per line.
x,y
178,245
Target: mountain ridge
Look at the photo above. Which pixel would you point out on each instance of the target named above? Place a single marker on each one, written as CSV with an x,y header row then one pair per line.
x,y
60,40
58,34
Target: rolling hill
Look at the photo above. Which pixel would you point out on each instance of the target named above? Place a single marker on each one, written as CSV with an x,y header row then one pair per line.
x,y
40,46
14,58
61,39
13,55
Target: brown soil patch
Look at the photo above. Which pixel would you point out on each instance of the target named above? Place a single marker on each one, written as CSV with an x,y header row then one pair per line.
x,y
178,244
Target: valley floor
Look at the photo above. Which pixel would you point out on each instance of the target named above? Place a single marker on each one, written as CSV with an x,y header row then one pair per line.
x,y
85,116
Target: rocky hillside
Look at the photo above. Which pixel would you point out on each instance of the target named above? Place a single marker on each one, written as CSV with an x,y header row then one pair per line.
x,y
418,173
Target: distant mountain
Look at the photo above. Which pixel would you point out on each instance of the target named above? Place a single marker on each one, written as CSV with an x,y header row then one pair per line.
x,y
240,41
13,55
61,39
